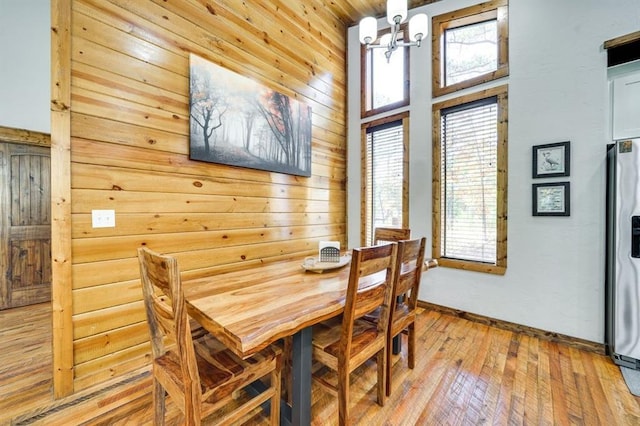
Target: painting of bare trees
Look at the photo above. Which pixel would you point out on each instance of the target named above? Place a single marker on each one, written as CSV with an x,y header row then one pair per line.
x,y
236,121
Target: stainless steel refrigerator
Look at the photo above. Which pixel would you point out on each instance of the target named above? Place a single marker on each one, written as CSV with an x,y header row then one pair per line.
x,y
622,282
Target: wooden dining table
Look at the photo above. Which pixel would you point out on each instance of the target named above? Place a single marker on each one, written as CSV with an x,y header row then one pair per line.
x,y
251,308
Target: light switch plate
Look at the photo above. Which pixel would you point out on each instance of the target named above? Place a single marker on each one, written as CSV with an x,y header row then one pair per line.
x,y
103,218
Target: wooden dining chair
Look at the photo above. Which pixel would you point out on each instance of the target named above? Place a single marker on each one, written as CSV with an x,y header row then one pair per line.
x,y
344,343
404,305
200,375
381,235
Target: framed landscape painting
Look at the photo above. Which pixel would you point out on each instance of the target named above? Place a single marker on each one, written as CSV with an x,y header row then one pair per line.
x,y
237,121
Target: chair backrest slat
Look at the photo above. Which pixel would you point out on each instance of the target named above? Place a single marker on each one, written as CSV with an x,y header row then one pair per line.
x,y
370,286
382,235
369,300
410,262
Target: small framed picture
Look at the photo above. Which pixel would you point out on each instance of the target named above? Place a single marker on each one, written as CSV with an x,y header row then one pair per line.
x,y
551,160
551,199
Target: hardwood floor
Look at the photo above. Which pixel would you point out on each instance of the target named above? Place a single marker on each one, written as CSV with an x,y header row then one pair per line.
x,y
466,374
25,360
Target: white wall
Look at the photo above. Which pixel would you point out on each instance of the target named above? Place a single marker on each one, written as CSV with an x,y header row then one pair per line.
x,y
558,91
25,64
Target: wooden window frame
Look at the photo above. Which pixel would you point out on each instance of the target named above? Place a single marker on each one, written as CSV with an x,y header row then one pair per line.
x,y
494,10
501,93
404,116
365,80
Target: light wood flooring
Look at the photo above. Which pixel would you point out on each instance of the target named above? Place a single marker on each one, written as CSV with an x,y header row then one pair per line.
x,y
466,374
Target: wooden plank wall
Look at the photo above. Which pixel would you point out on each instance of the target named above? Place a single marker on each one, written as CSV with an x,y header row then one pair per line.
x,y
130,153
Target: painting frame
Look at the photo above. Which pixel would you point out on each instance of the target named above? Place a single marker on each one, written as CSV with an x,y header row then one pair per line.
x,y
551,199
238,121
551,160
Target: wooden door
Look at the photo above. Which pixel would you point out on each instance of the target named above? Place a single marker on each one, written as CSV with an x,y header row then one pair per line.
x,y
25,225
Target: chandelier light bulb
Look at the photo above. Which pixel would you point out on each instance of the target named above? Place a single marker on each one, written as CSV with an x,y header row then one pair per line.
x,y
368,30
418,27
395,9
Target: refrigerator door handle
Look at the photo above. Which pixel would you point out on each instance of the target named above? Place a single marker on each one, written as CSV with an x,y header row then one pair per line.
x,y
635,236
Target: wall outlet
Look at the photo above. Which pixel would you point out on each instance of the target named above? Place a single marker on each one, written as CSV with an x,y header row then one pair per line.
x,y
103,218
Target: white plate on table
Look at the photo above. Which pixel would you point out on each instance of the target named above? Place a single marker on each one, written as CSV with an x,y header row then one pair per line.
x,y
314,265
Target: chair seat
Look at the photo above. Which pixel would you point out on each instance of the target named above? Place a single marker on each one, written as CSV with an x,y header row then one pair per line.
x,y
326,336
218,367
401,314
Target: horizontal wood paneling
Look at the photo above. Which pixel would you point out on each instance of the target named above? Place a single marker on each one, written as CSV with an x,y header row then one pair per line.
x,y
102,320
100,177
130,152
154,223
113,365
154,160
93,250
131,202
116,271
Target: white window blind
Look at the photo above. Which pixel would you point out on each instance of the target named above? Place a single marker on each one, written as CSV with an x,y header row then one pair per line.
x,y
469,181
384,176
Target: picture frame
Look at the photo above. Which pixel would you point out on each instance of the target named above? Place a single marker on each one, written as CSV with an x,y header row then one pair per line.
x,y
237,121
551,199
551,160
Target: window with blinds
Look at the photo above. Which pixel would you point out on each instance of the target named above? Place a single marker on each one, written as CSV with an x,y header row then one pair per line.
x,y
385,185
469,150
470,181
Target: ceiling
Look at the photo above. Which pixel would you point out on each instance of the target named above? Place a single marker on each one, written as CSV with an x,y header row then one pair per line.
x,y
351,11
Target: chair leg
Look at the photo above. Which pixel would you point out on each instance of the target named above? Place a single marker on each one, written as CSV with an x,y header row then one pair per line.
x,y
411,343
381,361
277,385
343,396
286,372
158,403
192,406
388,365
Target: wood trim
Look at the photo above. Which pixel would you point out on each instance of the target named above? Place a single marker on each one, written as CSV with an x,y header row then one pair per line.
x,y
502,180
497,9
405,171
366,79
363,185
436,196
574,342
404,116
501,92
26,137
61,282
622,40
622,50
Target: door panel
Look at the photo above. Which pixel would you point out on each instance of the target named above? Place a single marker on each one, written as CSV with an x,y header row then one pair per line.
x,y
26,225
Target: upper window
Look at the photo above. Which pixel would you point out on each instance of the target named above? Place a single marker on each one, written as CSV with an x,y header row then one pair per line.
x,y
385,82
470,46
385,188
470,181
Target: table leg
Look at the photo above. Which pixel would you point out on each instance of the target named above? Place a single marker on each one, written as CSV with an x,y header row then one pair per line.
x,y
300,413
397,344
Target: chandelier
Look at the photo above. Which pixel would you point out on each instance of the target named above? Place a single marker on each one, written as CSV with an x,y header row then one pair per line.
x,y
396,15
